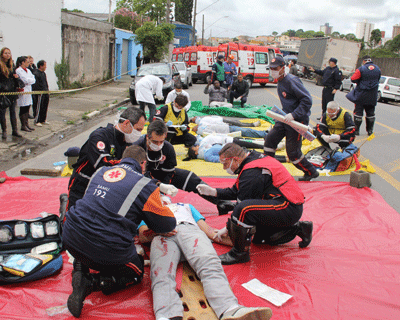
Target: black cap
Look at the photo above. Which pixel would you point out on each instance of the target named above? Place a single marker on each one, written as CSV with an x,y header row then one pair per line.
x,y
334,60
277,62
220,56
72,152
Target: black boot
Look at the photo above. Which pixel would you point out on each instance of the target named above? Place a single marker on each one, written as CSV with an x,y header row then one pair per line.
x,y
83,284
369,122
15,128
4,128
357,123
305,229
241,237
309,170
224,207
24,120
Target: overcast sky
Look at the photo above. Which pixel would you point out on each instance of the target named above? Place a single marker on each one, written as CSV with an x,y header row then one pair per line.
x,y
262,17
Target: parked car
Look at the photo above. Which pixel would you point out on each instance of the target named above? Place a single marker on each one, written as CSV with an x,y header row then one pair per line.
x,y
389,89
168,71
347,84
186,74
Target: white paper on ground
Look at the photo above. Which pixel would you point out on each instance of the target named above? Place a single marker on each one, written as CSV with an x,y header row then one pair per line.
x,y
261,290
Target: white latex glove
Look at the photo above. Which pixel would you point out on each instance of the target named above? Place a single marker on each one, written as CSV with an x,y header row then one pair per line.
x,y
288,118
326,138
206,190
168,189
183,127
169,123
159,98
335,138
220,233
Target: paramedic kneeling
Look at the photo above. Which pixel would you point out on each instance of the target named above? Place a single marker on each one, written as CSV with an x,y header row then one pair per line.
x,y
100,228
269,203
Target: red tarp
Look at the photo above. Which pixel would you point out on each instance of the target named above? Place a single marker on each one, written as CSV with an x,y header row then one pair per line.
x,y
351,270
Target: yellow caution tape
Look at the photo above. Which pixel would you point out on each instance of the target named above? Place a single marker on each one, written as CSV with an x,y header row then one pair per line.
x,y
62,91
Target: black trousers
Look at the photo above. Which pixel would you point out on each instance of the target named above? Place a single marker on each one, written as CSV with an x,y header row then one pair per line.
x,y
186,138
40,106
270,217
360,108
327,96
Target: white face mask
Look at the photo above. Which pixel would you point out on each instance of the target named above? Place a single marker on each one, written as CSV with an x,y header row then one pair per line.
x,y
133,136
176,109
229,170
274,74
155,147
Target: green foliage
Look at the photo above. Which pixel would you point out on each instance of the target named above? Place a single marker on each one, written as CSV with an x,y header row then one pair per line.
x,y
319,34
379,53
74,10
62,72
351,36
235,39
154,39
394,44
299,33
183,11
126,23
274,33
335,34
152,9
375,38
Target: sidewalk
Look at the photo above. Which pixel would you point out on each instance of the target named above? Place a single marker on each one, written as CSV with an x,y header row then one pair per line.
x,y
67,114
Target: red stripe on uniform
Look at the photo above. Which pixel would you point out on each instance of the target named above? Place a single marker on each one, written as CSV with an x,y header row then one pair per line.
x,y
282,206
134,267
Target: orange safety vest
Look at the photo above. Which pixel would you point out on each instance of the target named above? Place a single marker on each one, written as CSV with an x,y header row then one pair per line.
x,y
281,178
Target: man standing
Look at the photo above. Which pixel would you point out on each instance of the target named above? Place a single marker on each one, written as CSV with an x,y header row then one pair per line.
x,y
217,95
177,121
269,203
336,126
40,101
230,71
331,80
292,67
104,148
145,88
366,94
239,90
296,103
99,229
174,93
218,71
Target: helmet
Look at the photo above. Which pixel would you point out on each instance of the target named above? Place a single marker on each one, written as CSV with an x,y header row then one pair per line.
x,y
231,57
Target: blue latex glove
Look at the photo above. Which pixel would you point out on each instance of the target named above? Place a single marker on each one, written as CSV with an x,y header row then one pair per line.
x,y
169,123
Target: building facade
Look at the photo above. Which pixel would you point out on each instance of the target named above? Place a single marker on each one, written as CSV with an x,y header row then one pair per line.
x,y
326,29
33,28
364,29
396,31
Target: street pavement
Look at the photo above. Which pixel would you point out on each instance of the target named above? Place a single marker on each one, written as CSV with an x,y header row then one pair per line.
x,y
67,114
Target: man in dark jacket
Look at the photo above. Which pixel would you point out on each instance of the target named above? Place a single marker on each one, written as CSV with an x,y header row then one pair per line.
x,y
99,230
367,78
296,103
40,101
331,80
239,90
218,71
269,203
104,148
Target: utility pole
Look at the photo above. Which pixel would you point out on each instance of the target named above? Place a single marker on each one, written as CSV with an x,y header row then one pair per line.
x,y
109,11
167,20
168,11
194,23
202,32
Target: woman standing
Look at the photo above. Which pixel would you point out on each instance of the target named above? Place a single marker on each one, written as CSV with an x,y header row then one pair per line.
x,y
24,101
7,84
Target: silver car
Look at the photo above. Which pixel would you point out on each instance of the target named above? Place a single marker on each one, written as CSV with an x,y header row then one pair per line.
x,y
347,84
186,74
389,89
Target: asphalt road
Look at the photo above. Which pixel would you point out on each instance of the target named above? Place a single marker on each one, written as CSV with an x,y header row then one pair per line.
x,y
383,151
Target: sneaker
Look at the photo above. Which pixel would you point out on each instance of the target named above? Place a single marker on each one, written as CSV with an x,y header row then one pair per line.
x,y
244,313
257,123
38,124
46,123
31,117
82,287
307,177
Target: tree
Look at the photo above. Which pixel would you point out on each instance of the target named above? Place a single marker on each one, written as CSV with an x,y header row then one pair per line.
x,y
154,39
183,11
335,34
74,10
394,44
235,39
375,38
351,36
153,9
274,33
299,33
319,34
290,33
126,19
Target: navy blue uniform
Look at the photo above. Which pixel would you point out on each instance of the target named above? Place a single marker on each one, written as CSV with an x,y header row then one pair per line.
x,y
99,230
331,79
295,99
103,148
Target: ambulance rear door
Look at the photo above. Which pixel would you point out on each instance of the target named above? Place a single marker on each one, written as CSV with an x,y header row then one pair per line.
x,y
262,59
